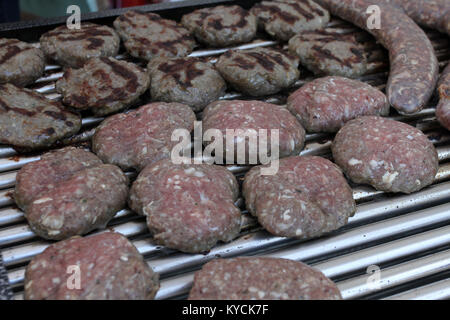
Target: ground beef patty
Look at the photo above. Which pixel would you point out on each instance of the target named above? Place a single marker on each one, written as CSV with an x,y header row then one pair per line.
x,y
283,19
147,35
389,155
142,136
20,63
326,104
306,198
73,47
69,192
104,85
329,53
188,207
260,71
108,265
221,26
261,278
254,115
28,120
185,80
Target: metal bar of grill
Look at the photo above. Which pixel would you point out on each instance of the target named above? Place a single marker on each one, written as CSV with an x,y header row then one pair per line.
x,y
408,236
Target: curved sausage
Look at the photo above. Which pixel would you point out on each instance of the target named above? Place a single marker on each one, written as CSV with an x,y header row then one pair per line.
x,y
443,108
414,67
433,14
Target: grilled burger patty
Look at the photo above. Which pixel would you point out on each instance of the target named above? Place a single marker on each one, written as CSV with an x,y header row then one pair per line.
x,y
188,207
283,19
185,80
390,155
73,47
260,71
147,35
108,265
28,120
104,85
329,53
221,26
20,63
69,192
261,278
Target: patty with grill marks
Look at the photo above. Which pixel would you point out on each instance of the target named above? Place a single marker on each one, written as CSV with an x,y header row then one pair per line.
x,y
185,80
284,19
69,192
28,120
20,63
104,85
260,71
147,35
221,26
329,53
73,47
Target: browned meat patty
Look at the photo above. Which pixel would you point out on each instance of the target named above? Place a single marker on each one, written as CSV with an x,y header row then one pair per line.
x,y
306,198
389,155
443,108
188,207
326,104
283,19
69,192
108,265
142,136
329,53
254,115
73,47
103,85
20,63
221,26
261,278
28,120
185,80
147,35
260,71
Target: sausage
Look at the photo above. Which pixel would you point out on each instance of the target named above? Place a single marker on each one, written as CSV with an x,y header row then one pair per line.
x,y
443,108
414,67
433,14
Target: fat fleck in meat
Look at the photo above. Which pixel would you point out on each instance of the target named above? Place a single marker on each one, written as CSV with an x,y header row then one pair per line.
x,y
414,67
329,53
69,192
30,121
221,26
188,207
283,19
108,265
185,80
104,85
306,198
73,47
147,35
20,63
389,155
261,278
260,71
326,104
443,108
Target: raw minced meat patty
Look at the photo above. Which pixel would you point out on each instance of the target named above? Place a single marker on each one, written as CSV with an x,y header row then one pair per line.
x,y
306,198
108,265
221,26
104,85
69,192
387,154
326,104
261,278
188,207
443,108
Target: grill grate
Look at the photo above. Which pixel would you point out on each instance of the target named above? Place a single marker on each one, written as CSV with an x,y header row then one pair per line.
x,y
407,236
